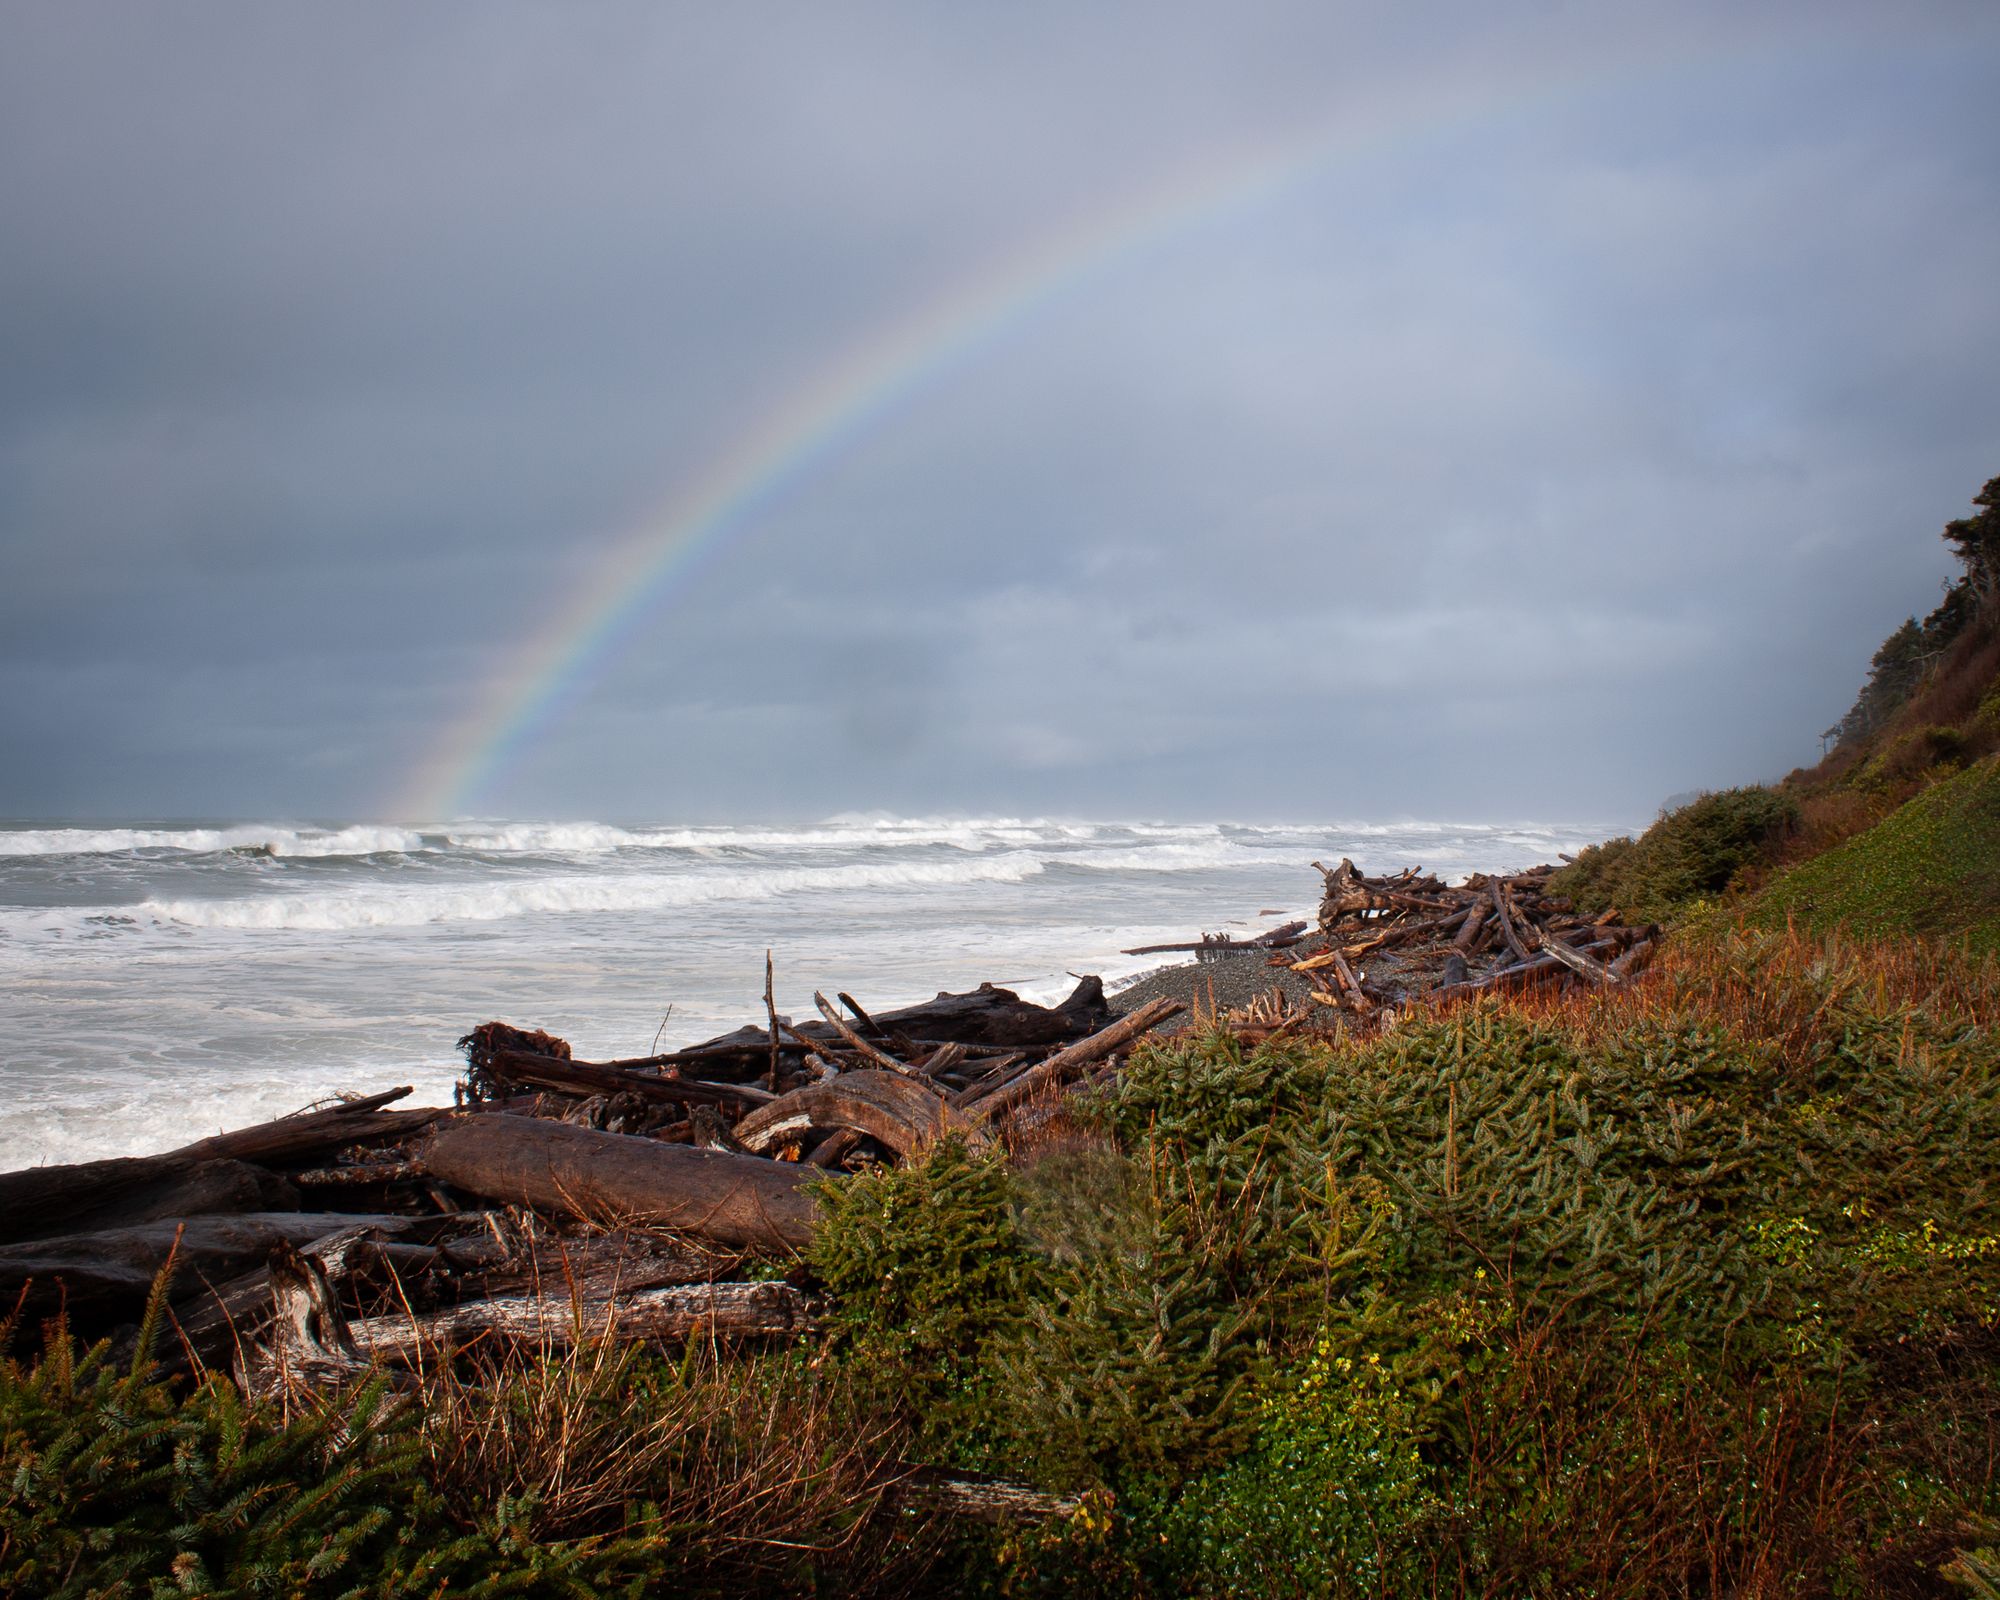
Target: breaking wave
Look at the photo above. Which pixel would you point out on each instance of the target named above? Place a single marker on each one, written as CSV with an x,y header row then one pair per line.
x,y
497,901
258,838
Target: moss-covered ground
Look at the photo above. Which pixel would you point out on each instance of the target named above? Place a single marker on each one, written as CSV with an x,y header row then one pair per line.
x,y
1932,866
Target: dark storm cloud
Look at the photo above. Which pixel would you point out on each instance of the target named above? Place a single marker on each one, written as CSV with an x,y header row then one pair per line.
x,y
1569,437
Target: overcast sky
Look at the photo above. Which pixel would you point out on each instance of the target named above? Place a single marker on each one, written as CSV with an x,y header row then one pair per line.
x,y
1563,427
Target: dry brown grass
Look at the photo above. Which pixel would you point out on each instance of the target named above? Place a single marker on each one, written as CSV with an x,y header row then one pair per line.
x,y
1772,987
1951,694
1645,1477
756,1466
1829,818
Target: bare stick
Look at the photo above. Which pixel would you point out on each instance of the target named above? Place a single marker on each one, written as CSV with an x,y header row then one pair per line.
x,y
1577,961
855,1042
1352,983
1080,1054
771,1015
860,1016
1506,923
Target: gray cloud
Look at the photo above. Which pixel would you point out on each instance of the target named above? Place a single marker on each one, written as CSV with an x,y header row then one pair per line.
x,y
1568,436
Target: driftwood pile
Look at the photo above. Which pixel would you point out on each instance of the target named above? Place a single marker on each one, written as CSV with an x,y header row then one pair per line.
x,y
1444,941
558,1201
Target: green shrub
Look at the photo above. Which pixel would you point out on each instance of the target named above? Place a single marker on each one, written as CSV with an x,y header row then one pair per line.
x,y
1911,756
929,1269
1977,1572
551,1474
111,1485
1591,880
1228,1237
1690,854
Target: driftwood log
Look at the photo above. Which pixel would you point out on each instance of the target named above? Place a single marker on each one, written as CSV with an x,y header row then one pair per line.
x,y
51,1202
509,1068
220,1174
698,1310
988,1015
729,1199
1511,925
1277,938
101,1279
307,1134
209,1322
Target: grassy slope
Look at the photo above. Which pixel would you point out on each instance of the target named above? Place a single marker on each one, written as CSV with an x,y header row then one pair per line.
x,y
1932,867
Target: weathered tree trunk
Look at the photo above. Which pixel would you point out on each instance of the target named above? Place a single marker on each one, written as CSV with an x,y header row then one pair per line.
x,y
298,1139
125,1191
1277,938
1504,921
218,1174
985,1016
733,1200
1346,894
306,1343
212,1322
1577,961
1468,934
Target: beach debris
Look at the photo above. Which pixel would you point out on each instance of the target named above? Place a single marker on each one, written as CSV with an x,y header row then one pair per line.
x,y
565,1201
901,1112
1508,924
101,1279
1212,945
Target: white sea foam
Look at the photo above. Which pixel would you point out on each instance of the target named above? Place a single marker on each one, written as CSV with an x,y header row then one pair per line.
x,y
583,838
1204,857
329,911
268,838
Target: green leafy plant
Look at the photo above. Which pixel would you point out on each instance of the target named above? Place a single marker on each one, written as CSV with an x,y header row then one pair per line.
x,y
1331,1497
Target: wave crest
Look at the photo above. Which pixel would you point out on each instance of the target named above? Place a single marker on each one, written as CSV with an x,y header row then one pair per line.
x,y
495,902
262,838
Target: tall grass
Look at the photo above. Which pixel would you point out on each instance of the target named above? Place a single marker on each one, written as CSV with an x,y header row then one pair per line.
x,y
537,1471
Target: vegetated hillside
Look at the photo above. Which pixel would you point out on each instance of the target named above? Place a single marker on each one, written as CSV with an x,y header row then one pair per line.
x,y
1929,712
1932,867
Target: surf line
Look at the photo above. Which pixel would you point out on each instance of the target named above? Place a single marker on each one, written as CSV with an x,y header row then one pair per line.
x,y
669,547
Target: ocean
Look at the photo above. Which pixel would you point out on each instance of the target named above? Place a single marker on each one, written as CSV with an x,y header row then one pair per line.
x,y
162,982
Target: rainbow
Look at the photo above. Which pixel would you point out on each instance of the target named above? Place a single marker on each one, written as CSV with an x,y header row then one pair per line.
x,y
670,547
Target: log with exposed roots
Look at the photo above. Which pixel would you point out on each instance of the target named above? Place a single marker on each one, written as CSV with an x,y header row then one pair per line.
x,y
902,1113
